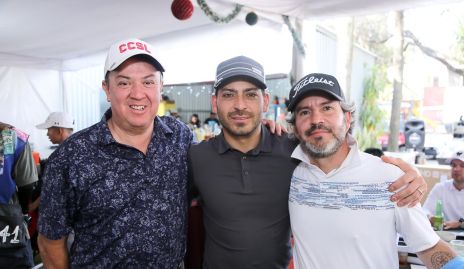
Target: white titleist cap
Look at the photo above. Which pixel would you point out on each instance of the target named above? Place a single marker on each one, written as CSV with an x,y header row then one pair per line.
x,y
57,119
123,50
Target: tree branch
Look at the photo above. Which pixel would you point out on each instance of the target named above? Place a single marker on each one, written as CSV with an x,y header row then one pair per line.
x,y
434,54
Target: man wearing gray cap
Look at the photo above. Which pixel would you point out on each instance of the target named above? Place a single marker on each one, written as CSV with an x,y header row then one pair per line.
x,y
120,184
451,193
340,211
242,176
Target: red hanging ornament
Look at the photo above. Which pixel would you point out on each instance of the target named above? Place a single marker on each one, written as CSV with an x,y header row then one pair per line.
x,y
182,9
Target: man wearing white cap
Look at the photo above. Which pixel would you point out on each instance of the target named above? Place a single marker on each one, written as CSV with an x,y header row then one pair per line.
x,y
59,126
120,184
451,193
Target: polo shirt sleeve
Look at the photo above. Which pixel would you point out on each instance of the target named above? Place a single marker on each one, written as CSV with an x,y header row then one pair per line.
x,y
56,199
25,171
413,225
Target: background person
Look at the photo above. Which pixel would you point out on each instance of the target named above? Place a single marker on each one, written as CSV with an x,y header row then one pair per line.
x,y
194,122
374,151
212,119
59,126
340,210
121,183
451,193
18,175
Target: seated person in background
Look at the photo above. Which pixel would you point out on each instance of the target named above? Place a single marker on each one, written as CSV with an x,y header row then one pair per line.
x,y
194,121
340,212
374,151
212,118
451,193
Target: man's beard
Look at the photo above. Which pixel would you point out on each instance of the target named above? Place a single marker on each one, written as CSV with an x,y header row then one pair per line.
x,y
240,130
324,151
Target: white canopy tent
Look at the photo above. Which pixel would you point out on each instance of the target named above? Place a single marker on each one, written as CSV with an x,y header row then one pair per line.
x,y
52,51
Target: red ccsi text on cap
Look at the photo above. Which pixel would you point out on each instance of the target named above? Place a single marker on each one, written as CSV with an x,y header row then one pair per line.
x,y
132,46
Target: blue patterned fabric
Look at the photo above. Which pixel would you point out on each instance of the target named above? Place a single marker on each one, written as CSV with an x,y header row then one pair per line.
x,y
336,195
456,263
127,210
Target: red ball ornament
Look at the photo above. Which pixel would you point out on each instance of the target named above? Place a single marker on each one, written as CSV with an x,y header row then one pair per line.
x,y
182,9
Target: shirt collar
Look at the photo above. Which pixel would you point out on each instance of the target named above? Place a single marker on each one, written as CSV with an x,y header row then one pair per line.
x,y
264,145
353,157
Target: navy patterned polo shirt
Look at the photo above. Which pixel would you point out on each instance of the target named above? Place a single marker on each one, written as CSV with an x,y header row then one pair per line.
x,y
127,209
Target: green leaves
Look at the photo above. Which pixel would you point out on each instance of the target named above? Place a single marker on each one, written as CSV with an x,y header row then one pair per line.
x,y
371,117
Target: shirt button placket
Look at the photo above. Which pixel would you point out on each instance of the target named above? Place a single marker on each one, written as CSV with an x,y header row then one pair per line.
x,y
247,184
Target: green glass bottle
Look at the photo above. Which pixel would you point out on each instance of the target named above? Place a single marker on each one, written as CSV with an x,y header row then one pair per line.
x,y
438,218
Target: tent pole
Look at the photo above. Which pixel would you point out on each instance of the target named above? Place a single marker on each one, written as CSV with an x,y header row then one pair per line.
x,y
64,104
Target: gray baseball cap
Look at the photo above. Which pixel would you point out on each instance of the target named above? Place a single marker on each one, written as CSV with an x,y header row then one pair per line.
x,y
240,68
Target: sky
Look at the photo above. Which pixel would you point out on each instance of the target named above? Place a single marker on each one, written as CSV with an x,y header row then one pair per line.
x,y
436,26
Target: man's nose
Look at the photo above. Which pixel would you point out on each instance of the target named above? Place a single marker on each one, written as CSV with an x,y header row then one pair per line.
x,y
137,90
240,103
316,118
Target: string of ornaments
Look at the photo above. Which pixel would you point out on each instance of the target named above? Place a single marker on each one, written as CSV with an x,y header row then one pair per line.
x,y
183,10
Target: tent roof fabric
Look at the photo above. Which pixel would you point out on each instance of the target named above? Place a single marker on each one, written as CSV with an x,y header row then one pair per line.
x,y
45,33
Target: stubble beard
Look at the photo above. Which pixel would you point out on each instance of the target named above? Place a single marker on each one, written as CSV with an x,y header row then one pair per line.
x,y
239,130
318,150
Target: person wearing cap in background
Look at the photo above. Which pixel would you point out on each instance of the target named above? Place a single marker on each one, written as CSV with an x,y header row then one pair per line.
x,y
340,212
121,183
59,126
451,193
18,176
242,176
212,119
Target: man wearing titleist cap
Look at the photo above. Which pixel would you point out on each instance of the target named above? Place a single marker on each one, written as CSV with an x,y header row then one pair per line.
x,y
120,184
242,177
451,193
339,195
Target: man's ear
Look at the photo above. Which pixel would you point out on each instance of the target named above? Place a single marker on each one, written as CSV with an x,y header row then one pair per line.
x,y
348,116
214,103
106,89
266,99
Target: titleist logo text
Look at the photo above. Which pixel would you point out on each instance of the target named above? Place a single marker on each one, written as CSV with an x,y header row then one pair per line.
x,y
310,80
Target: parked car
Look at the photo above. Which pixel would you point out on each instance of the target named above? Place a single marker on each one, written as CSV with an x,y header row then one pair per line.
x,y
458,128
383,140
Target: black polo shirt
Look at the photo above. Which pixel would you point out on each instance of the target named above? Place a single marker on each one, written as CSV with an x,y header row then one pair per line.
x,y
245,201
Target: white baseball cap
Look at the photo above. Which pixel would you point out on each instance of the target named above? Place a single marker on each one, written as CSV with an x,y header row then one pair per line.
x,y
459,155
57,119
123,50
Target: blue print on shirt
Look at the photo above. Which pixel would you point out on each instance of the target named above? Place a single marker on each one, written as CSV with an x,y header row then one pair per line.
x,y
337,195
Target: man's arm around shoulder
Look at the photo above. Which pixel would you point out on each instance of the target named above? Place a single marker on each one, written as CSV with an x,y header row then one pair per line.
x,y
441,256
54,253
